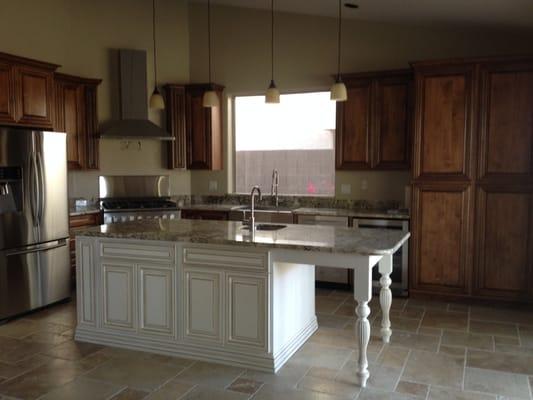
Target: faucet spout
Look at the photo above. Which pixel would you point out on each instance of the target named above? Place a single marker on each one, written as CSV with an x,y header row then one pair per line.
x,y
255,190
274,187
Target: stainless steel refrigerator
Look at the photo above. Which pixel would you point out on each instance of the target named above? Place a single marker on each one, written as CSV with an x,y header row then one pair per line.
x,y
34,246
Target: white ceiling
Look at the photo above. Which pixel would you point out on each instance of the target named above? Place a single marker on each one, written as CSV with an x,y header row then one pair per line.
x,y
494,13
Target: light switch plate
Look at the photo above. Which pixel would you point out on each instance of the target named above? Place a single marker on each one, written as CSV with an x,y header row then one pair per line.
x,y
213,186
346,188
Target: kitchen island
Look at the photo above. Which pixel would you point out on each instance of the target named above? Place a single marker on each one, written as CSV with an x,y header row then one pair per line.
x,y
213,290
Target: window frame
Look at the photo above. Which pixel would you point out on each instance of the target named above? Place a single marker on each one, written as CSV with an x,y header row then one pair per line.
x,y
234,142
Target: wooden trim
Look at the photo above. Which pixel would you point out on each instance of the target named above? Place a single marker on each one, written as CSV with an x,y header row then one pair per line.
x,y
28,61
470,61
77,79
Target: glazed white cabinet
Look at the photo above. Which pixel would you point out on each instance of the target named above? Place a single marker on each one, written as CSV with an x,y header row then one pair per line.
x,y
119,294
247,309
203,304
157,299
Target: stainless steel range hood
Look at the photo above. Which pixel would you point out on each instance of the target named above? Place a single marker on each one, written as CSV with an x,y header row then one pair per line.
x,y
133,123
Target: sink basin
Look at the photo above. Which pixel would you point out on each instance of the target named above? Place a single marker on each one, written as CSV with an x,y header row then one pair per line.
x,y
267,227
266,208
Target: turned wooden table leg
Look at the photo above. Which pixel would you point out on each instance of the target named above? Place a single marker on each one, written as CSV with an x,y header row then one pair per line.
x,y
385,296
362,294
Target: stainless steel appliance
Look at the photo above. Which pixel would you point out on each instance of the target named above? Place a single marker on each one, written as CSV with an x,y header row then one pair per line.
x,y
131,198
400,260
34,253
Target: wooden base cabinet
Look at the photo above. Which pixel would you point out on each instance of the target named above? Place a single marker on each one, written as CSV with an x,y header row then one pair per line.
x,y
473,179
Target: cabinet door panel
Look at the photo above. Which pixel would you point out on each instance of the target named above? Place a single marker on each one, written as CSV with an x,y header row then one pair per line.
x,y
440,238
156,299
507,122
392,128
35,94
504,242
247,311
7,95
119,296
203,305
72,111
353,128
443,124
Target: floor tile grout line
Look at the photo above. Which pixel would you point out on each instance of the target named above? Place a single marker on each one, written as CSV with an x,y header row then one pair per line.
x,y
404,365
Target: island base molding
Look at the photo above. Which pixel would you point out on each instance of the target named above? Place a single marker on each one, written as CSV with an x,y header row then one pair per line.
x,y
202,353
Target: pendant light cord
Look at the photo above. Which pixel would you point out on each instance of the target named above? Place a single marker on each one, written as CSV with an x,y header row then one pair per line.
x,y
153,36
272,40
209,37
339,43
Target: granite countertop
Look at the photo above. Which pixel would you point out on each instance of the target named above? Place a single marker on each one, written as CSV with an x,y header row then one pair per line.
x,y
211,207
73,212
329,239
337,212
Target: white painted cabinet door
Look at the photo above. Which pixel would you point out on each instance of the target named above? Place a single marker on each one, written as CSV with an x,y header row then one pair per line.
x,y
119,295
203,305
85,282
156,290
247,310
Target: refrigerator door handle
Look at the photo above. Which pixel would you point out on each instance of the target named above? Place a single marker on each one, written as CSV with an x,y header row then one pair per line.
x,y
42,189
48,246
34,195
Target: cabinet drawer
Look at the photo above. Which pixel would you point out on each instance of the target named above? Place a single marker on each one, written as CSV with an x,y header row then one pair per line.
x,y
225,258
84,220
137,251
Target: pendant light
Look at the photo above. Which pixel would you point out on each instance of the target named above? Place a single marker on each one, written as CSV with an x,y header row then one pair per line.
x,y
156,100
210,98
272,93
338,89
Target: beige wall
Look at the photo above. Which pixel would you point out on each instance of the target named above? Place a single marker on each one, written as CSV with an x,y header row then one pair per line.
x,y
80,35
305,60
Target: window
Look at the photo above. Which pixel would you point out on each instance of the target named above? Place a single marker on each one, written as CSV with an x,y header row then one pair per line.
x,y
296,137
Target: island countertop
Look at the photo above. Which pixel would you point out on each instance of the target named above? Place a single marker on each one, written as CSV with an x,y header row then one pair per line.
x,y
330,239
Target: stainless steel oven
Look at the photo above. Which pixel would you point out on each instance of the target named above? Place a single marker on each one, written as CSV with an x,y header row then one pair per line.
x,y
400,260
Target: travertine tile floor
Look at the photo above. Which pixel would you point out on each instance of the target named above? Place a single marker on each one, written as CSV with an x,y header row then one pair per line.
x,y
438,351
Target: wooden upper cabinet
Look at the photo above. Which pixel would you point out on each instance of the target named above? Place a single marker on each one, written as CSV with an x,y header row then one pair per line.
x,y
374,124
203,129
392,118
506,126
8,114
75,100
440,241
27,92
504,241
353,132
175,108
443,122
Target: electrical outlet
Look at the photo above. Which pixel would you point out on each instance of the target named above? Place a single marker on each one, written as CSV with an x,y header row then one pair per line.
x,y
364,184
213,186
346,188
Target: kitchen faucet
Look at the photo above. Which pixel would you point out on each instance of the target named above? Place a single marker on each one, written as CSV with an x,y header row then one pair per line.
x,y
251,221
274,187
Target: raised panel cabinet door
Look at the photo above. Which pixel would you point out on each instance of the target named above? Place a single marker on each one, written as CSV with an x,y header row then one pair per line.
x,y
85,282
92,153
119,295
443,123
157,301
441,238
69,119
8,113
203,305
247,310
504,243
175,105
353,128
34,96
199,132
393,128
506,140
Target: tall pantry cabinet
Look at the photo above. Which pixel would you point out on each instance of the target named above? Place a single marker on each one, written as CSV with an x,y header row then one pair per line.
x,y
473,179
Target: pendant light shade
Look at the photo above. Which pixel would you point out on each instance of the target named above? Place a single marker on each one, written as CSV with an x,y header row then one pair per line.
x,y
156,100
272,93
210,98
338,89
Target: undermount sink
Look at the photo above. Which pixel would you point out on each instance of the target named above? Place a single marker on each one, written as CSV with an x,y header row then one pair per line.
x,y
266,227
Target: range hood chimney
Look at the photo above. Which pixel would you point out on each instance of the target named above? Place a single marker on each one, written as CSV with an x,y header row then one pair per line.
x,y
134,123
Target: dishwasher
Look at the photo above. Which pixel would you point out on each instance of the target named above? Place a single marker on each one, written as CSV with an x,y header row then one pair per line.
x,y
327,276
